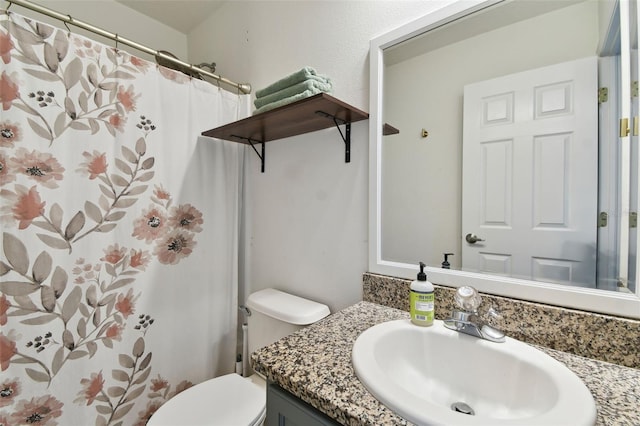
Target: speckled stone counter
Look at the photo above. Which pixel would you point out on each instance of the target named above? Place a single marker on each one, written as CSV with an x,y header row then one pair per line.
x,y
591,335
314,364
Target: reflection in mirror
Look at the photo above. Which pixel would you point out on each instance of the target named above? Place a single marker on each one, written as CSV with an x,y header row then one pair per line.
x,y
509,97
510,154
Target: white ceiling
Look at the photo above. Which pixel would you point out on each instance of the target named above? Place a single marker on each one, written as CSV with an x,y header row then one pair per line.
x,y
182,15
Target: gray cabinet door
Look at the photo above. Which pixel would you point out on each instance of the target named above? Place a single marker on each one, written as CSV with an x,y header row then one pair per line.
x,y
284,409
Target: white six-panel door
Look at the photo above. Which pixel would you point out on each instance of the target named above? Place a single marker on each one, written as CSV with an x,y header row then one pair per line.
x,y
530,174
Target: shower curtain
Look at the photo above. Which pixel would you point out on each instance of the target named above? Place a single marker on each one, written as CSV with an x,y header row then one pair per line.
x,y
118,264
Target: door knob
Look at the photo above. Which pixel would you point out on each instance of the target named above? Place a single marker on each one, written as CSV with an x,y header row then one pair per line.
x,y
472,238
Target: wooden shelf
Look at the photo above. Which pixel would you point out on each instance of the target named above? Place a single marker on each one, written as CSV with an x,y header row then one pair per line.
x,y
315,113
388,129
289,120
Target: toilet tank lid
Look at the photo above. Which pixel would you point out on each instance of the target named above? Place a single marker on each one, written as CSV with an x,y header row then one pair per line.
x,y
287,307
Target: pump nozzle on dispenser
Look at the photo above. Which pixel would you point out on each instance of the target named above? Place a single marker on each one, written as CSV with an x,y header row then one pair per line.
x,y
421,275
446,264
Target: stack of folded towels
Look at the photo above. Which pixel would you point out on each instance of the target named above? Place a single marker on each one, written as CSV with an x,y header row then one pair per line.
x,y
294,87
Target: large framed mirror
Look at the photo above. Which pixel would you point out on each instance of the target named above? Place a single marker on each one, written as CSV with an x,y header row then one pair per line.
x,y
513,156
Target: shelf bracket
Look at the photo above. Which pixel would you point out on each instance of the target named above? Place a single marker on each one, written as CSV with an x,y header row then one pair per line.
x,y
346,137
251,142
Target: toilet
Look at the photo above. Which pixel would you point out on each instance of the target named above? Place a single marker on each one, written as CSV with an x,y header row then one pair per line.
x,y
233,400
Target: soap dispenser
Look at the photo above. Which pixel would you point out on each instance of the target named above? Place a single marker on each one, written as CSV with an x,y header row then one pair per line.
x,y
421,300
445,263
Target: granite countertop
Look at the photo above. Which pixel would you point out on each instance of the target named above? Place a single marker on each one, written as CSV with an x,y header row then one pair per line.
x,y
314,364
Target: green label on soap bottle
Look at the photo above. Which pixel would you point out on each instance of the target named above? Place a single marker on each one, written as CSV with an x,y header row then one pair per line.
x,y
422,306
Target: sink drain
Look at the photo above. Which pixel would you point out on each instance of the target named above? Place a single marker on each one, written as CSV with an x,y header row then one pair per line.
x,y
463,408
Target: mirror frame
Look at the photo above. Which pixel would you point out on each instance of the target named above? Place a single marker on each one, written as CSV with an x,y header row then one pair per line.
x,y
592,300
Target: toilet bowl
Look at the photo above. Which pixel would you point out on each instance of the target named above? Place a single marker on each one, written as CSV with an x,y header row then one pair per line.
x,y
227,400
233,400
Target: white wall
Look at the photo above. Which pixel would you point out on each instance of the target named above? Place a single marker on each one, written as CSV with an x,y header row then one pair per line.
x,y
307,218
115,18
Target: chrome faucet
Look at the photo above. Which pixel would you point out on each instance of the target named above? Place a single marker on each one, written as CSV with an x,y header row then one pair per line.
x,y
466,319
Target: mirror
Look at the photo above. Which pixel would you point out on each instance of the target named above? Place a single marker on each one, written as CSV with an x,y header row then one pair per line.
x,y
502,139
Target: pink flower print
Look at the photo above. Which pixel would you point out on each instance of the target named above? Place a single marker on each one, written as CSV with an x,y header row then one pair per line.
x,y
151,225
145,415
114,332
183,386
126,304
40,166
4,307
9,134
118,121
141,64
6,174
127,98
172,248
160,193
158,384
7,351
138,259
28,207
8,90
6,44
41,411
85,272
91,388
172,75
95,165
113,254
186,217
9,390
85,49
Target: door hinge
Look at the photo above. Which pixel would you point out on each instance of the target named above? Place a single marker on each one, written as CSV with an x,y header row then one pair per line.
x,y
603,95
633,220
624,127
603,219
634,89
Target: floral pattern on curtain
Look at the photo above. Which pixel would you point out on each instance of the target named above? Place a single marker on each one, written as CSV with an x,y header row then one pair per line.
x,y
118,260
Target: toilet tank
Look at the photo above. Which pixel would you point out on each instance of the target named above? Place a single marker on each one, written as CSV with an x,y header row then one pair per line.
x,y
276,314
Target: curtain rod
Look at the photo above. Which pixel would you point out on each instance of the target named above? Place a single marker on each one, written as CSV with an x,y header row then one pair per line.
x,y
243,87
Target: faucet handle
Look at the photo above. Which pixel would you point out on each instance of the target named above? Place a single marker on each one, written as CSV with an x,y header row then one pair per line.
x,y
468,299
493,314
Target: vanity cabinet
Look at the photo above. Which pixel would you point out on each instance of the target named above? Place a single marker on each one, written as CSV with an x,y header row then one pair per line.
x,y
284,409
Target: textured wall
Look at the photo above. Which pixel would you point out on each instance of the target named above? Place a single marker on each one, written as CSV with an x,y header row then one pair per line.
x,y
308,213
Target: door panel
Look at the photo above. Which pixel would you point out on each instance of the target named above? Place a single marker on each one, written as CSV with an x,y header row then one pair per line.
x,y
530,174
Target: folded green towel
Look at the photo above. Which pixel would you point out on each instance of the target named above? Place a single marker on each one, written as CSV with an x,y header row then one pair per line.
x,y
293,90
307,93
306,73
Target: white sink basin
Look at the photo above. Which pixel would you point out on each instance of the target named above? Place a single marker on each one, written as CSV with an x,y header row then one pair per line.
x,y
419,372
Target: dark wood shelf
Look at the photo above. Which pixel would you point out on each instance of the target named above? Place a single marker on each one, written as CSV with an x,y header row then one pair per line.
x,y
311,114
289,120
388,129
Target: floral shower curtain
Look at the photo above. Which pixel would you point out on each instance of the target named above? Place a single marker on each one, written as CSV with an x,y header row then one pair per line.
x,y
118,265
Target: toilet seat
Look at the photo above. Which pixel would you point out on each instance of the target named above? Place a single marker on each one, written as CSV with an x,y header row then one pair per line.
x,y
228,400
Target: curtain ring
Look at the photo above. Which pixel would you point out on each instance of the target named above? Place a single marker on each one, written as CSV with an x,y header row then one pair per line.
x,y
67,25
116,42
